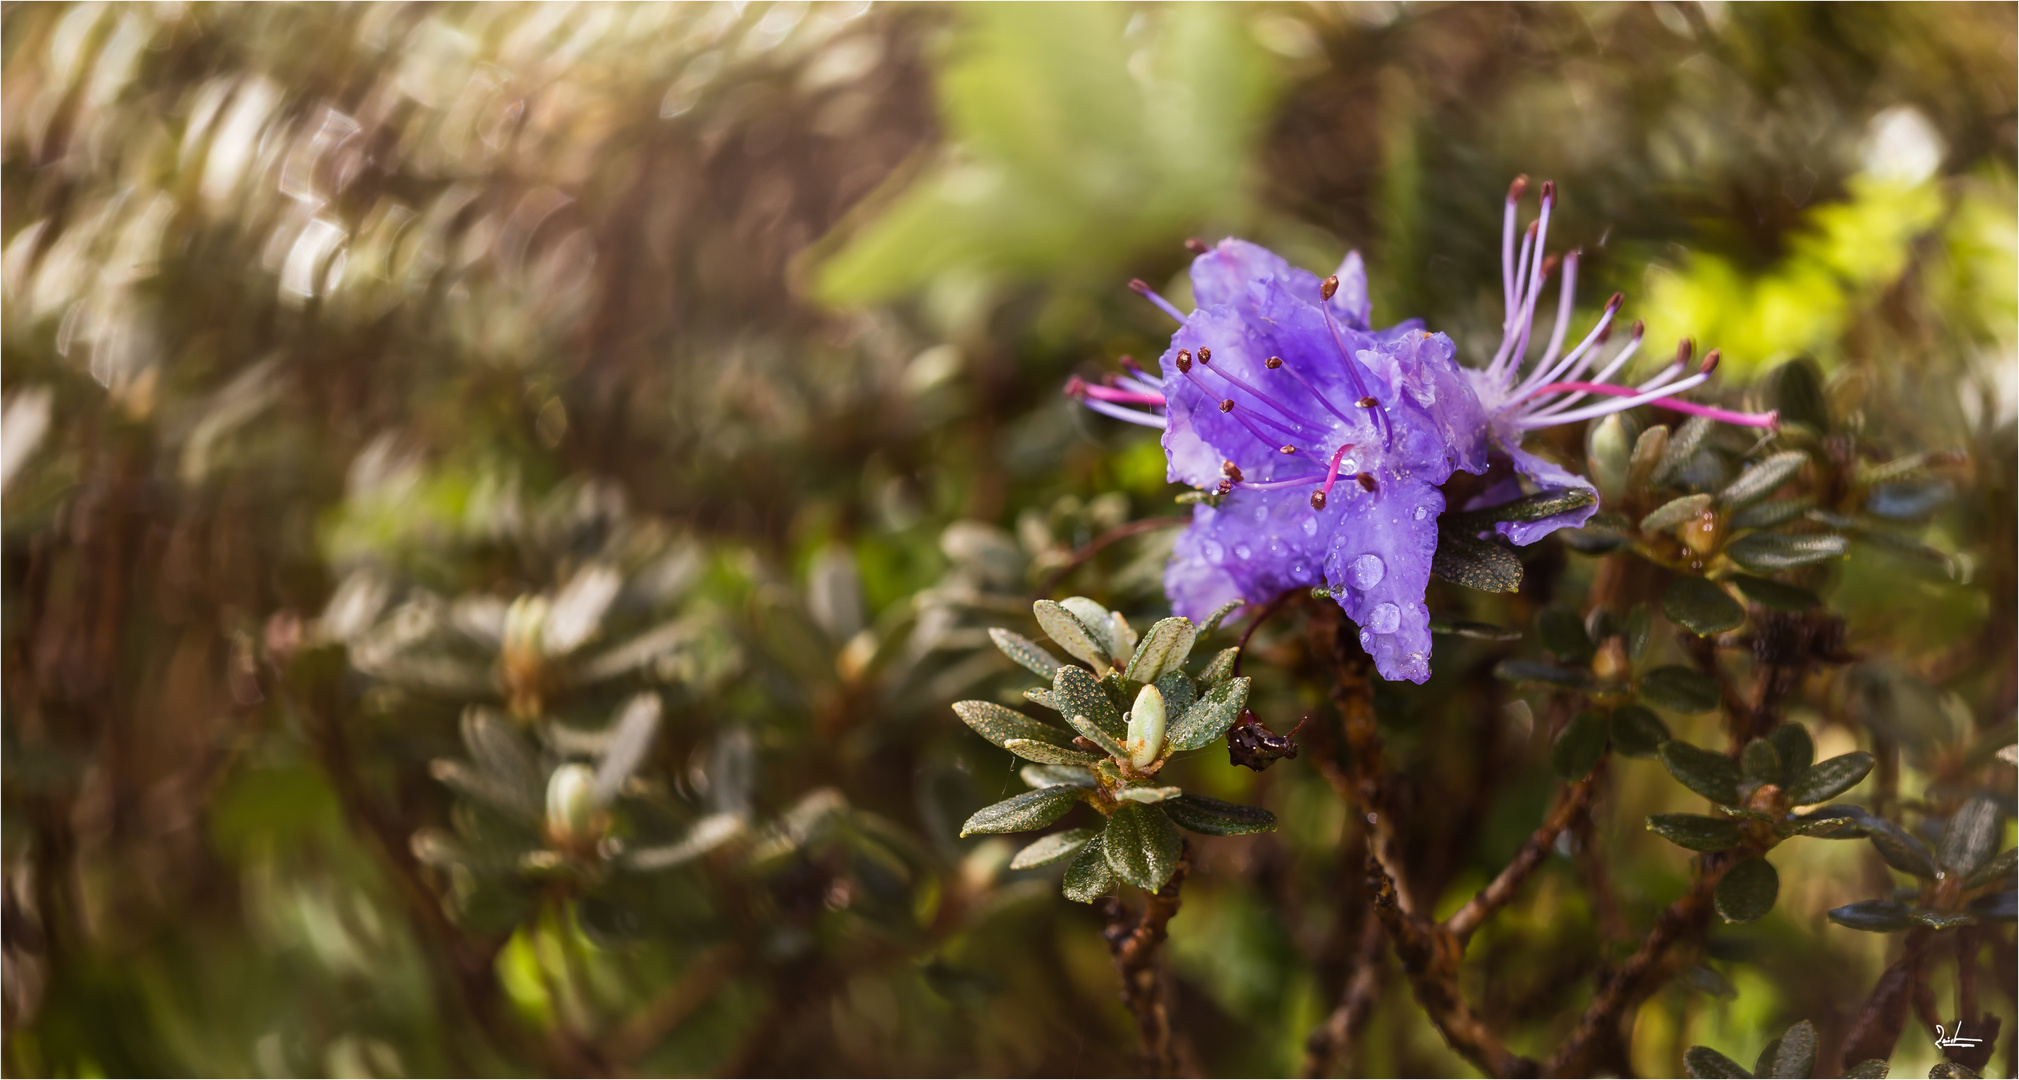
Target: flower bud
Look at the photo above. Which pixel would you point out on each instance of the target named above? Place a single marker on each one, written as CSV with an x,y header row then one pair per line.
x,y
1607,452
1146,728
572,807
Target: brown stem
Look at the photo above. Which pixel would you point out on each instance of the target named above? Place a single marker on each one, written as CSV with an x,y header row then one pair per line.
x,y
1097,544
1330,1040
1612,924
1430,955
1596,1042
1501,889
1132,942
671,1007
1884,1015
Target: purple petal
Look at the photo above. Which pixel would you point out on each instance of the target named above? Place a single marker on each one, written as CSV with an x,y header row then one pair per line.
x,y
1545,474
1350,304
1424,369
1197,586
1377,566
1254,545
1224,274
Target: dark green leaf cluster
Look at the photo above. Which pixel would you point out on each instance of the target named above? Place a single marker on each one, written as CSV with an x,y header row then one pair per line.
x,y
1125,714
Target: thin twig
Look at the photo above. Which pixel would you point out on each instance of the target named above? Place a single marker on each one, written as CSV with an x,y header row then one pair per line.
x,y
1098,543
1596,1042
671,1007
1133,942
1333,1039
1466,920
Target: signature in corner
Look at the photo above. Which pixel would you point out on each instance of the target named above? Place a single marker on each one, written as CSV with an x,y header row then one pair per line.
x,y
1945,1039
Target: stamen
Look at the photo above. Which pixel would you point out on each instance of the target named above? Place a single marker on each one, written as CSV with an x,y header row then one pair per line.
x,y
1288,449
1331,477
1274,485
1119,413
1205,355
1330,286
1226,487
1143,289
1544,371
1367,402
1231,470
1195,245
1273,363
1315,394
1227,405
1079,388
1366,481
1566,294
1710,362
1317,500
1297,425
1185,361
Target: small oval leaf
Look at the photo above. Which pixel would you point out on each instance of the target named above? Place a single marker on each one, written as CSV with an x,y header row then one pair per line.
x,y
1088,878
1076,693
1203,814
1702,606
1022,813
1762,477
1637,731
1704,1063
1579,746
1825,780
1025,652
1209,718
1678,689
1705,772
1971,837
1674,512
1049,754
1874,916
1766,553
1747,891
1165,648
1058,847
1696,832
999,725
1797,752
1072,635
1141,846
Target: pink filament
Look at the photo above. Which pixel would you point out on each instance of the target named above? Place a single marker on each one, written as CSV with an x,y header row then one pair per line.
x,y
1769,419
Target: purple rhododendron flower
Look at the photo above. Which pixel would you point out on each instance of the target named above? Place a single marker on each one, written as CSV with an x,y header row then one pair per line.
x,y
1326,439
1554,387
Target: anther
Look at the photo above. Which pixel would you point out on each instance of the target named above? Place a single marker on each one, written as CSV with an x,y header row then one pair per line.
x,y
1231,470
1331,286
1614,303
1684,349
1367,402
1317,500
1639,329
1226,487
1288,449
1548,192
1184,360
1205,355
1515,190
1549,265
1273,363
1195,245
1710,364
1366,481
1226,404
1604,334
1075,386
1140,286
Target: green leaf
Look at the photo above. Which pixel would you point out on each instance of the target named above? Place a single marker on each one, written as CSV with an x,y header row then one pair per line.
x,y
1072,635
1762,478
1796,389
1088,878
1773,594
1488,565
1647,455
1795,1056
1747,891
1941,920
1102,624
1704,1063
1608,450
1043,776
1765,553
1764,1064
1022,813
1874,916
1214,620
1097,735
1827,823
1179,693
1971,837
1049,753
1797,752
1637,731
1949,1070
1078,694
1766,515
1058,847
1871,1069
1042,695
1164,649
1563,634
1825,780
1760,763
1478,631
1221,667
1141,846
1674,512
1682,446
1679,689
1705,772
1204,814
1209,718
1901,850
1542,504
1546,676
1579,746
1064,154
1000,725
1148,794
2000,867
1707,980
1697,832
1025,651
1997,907
1639,629
1702,606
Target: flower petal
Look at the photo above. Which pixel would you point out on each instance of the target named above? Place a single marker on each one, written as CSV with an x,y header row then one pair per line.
x,y
1377,565
1254,546
1546,474
1350,304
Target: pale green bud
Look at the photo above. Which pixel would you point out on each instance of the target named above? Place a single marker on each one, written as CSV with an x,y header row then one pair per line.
x,y
572,807
1146,728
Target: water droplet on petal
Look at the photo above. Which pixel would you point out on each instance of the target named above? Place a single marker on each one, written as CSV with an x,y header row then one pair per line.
x,y
1367,572
1244,551
1421,513
1214,552
1384,619
1311,525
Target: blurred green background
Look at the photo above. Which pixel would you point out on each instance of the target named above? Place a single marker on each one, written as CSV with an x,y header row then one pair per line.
x,y
735,333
